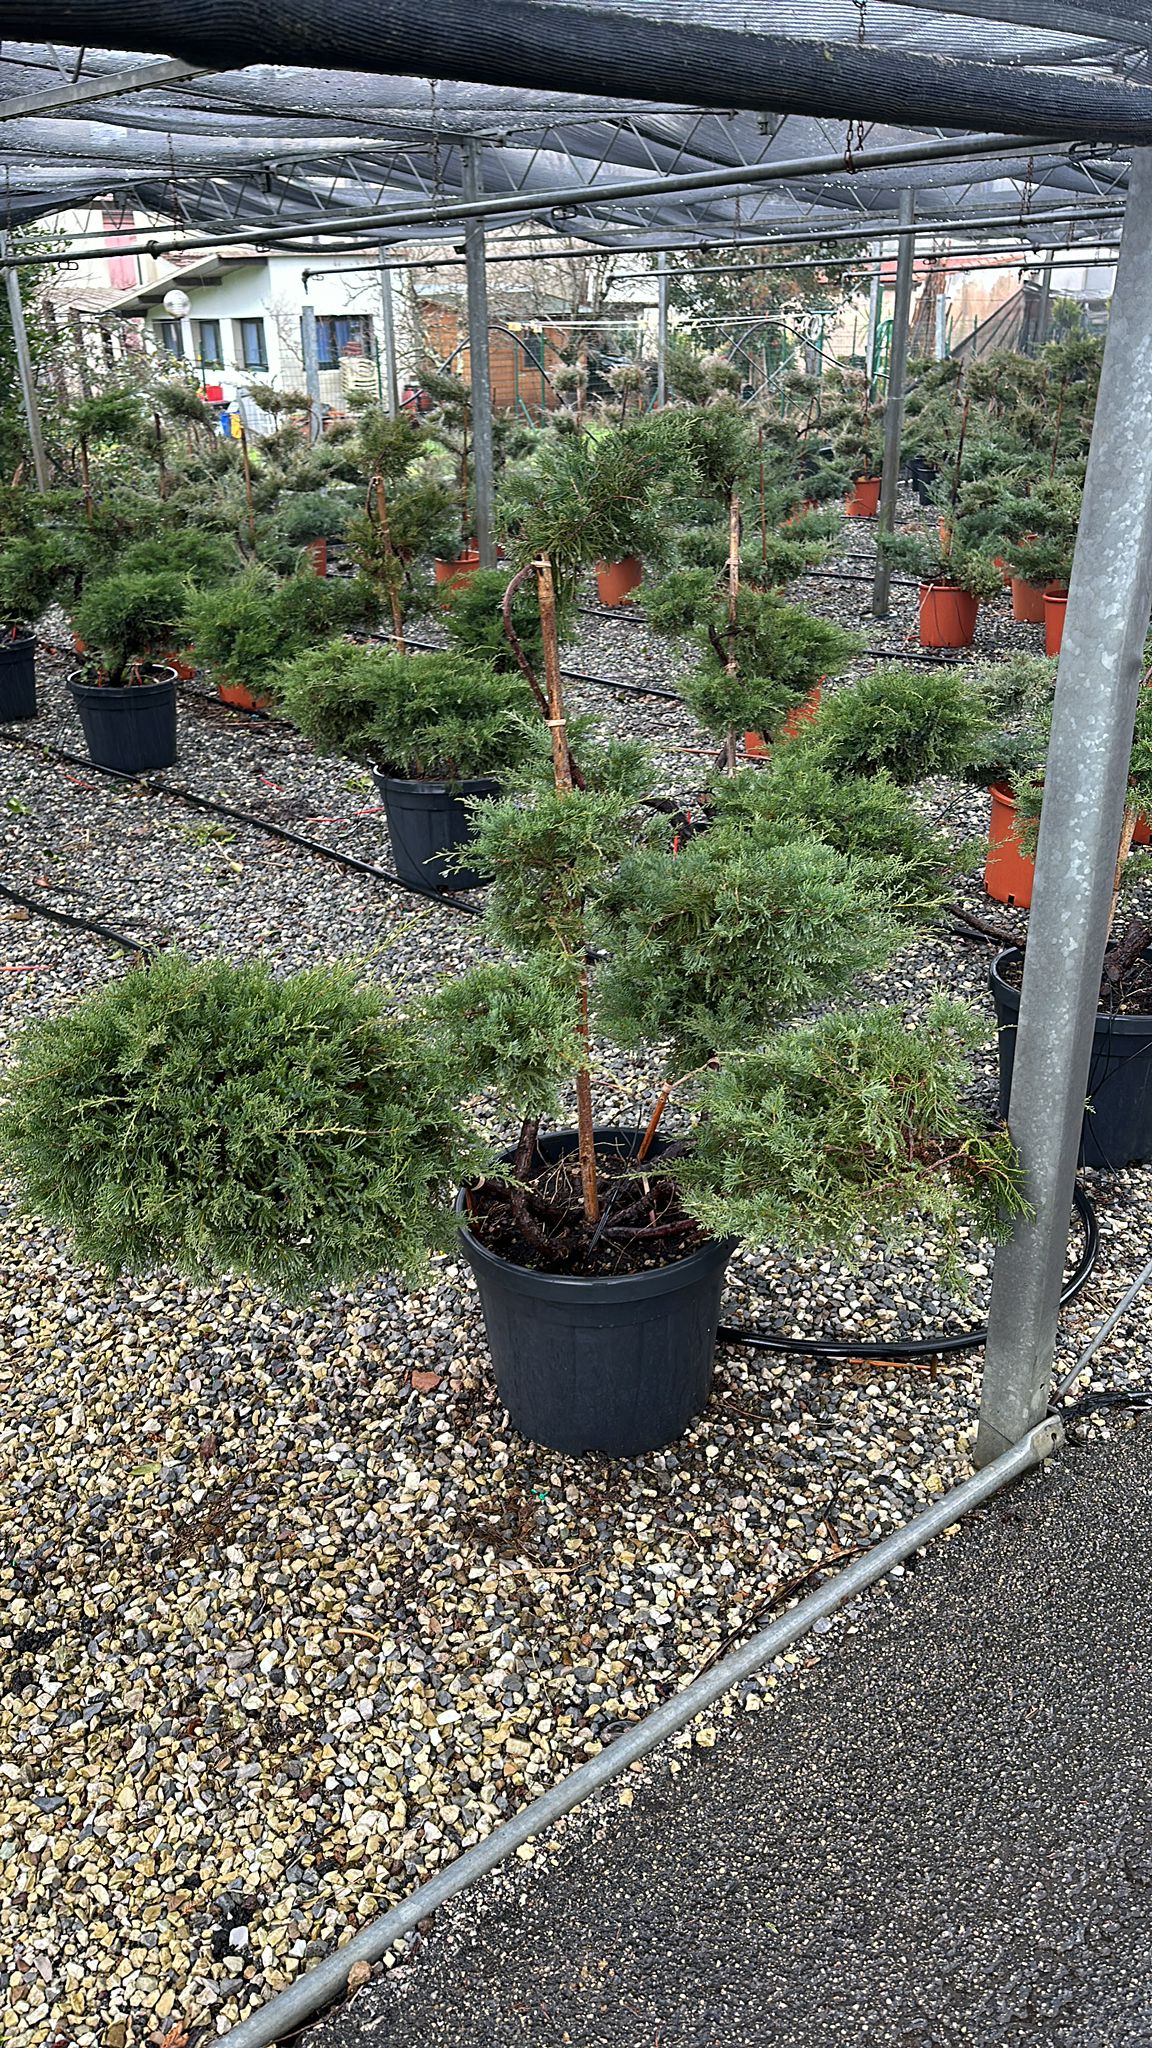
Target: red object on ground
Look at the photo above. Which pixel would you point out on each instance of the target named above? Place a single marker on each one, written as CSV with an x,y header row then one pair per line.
x,y
863,501
947,615
449,574
755,744
1027,602
615,581
1055,607
1008,871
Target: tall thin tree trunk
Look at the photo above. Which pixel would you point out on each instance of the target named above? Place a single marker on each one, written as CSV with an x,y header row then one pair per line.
x,y
562,772
393,565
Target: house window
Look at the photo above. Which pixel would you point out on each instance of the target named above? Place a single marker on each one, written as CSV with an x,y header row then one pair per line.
x,y
172,337
208,344
251,345
344,334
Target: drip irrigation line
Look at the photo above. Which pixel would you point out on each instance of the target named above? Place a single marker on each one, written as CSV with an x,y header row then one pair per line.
x,y
938,1346
237,817
77,923
575,675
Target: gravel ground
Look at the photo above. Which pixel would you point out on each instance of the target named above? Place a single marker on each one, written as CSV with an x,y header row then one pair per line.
x,y
939,1839
290,1615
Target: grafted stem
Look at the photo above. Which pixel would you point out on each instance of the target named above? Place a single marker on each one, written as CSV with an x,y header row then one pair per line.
x,y
390,555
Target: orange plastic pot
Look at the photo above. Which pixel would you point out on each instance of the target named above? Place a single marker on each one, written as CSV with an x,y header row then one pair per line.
x,y
1142,836
317,551
1008,871
998,562
1055,608
755,744
863,501
1027,602
615,581
242,699
449,574
947,615
185,668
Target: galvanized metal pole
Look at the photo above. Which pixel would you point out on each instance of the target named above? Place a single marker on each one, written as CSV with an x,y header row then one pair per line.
x,y
311,352
1044,309
391,393
1085,779
483,467
894,408
875,300
25,371
662,330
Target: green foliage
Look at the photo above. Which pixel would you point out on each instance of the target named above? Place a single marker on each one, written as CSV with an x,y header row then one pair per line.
x,y
509,1031
907,723
245,627
1042,546
109,416
312,515
476,620
34,569
713,947
675,601
439,717
866,817
585,500
720,444
203,559
178,399
931,562
1018,693
133,618
213,1118
782,652
551,861
389,447
851,1126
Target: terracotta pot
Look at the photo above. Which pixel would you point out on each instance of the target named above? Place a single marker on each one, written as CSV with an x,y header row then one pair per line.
x,y
755,744
461,570
1008,872
998,562
235,693
1142,836
185,668
317,551
1055,608
863,501
615,581
947,615
1027,602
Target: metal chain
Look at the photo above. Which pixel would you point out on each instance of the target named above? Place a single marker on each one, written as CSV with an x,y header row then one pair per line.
x,y
862,23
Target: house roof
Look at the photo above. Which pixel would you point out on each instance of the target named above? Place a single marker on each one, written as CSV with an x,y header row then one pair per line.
x,y
206,270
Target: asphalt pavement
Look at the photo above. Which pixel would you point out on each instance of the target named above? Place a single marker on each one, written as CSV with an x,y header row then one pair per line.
x,y
941,1835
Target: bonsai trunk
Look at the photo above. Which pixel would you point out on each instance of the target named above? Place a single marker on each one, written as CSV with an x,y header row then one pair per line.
x,y
84,471
733,598
248,486
161,466
1125,849
390,557
562,772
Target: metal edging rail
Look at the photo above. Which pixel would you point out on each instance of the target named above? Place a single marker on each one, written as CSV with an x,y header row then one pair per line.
x,y
327,1980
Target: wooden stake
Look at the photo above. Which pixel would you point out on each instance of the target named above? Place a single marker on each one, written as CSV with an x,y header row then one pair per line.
x,y
393,585
248,485
562,773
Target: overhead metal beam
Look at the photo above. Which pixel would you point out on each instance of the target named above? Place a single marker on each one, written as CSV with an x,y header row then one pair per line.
x,y
140,78
894,404
1085,786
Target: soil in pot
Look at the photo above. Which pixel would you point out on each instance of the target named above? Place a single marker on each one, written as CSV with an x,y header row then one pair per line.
x,y
616,1357
863,501
1117,1129
947,615
615,581
17,678
130,727
427,822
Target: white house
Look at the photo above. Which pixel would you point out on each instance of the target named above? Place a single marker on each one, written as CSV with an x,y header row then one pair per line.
x,y
245,322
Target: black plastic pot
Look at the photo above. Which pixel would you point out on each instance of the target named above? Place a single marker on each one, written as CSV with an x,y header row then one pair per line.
x,y
615,1364
426,822
1118,1122
923,477
130,727
18,678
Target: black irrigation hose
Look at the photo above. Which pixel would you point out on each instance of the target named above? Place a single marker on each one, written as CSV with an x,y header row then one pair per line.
x,y
75,923
940,1346
219,810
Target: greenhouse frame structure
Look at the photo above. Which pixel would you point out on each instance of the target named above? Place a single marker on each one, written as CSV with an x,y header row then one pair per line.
x,y
612,126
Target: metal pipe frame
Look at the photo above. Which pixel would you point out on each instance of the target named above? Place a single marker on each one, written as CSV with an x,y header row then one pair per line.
x,y
311,355
662,330
328,1979
480,371
1085,785
391,382
894,406
24,369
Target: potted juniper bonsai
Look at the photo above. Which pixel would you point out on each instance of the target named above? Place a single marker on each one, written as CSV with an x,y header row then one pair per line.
x,y
33,569
436,729
763,667
309,1131
244,627
124,693
953,579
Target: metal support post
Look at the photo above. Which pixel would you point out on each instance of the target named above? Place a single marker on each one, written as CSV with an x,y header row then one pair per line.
x,y
942,304
894,408
311,353
25,371
483,468
1044,309
662,330
391,392
875,301
1085,780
